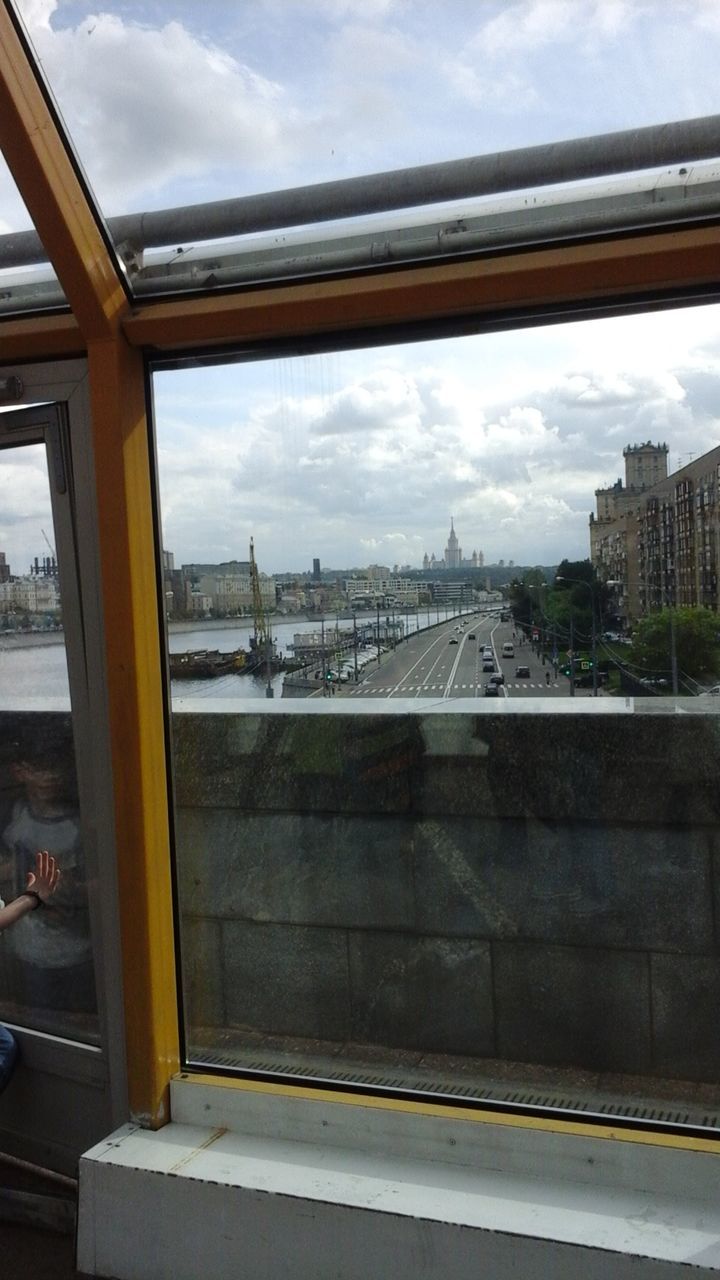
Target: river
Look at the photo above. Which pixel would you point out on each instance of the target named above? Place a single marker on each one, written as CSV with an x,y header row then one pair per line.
x,y
33,667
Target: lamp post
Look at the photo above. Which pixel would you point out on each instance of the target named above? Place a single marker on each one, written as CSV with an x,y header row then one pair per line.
x,y
323,656
581,582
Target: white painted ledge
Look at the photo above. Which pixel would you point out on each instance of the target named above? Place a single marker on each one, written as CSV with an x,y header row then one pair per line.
x,y
246,1184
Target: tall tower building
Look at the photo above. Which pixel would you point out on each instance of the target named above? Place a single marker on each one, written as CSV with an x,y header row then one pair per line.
x,y
645,465
453,553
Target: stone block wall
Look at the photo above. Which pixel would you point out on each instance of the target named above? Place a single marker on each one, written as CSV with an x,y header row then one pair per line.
x,y
532,887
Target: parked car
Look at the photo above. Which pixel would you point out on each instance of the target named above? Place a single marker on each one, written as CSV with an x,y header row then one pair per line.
x,y
522,673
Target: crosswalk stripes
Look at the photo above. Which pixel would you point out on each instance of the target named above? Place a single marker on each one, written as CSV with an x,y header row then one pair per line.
x,y
382,690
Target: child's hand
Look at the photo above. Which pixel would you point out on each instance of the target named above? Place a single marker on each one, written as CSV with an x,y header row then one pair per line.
x,y
45,878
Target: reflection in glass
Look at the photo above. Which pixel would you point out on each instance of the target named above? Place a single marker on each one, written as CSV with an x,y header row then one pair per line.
x,y
46,968
410,883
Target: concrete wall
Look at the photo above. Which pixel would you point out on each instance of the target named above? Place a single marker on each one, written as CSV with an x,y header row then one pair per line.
x,y
540,888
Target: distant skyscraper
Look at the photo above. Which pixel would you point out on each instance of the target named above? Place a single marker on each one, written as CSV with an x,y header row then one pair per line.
x,y
316,570
453,553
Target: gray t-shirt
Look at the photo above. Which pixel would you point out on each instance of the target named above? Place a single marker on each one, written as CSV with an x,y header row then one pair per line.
x,y
58,937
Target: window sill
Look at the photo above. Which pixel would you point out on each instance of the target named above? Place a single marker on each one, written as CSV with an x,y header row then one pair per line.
x,y
276,1183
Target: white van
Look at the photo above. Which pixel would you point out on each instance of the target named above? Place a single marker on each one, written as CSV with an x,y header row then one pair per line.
x,y
508,650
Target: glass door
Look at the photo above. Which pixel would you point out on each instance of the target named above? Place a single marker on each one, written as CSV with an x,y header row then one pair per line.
x,y
48,988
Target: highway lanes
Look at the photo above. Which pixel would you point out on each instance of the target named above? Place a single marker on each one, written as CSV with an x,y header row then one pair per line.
x,y
445,662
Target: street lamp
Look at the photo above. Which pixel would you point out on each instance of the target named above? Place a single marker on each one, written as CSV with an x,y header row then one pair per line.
x,y
581,582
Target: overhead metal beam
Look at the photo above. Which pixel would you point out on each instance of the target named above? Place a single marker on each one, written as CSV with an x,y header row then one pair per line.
x,y
56,198
631,150
532,281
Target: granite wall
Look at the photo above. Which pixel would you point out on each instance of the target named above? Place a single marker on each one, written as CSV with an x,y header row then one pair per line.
x,y
535,887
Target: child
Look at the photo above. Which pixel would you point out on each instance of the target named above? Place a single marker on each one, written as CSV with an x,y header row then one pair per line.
x,y
49,957
41,885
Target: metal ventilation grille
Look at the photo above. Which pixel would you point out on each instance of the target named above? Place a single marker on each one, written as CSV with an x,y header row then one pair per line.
x,y
590,1103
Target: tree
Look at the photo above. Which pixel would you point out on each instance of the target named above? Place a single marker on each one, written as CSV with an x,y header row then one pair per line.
x,y
696,642
525,596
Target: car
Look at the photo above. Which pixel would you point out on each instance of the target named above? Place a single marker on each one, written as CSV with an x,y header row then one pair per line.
x,y
497,678
453,640
522,673
471,635
488,664
487,652
492,690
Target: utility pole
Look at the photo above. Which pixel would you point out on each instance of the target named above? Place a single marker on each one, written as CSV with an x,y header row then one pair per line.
x,y
673,653
572,657
594,643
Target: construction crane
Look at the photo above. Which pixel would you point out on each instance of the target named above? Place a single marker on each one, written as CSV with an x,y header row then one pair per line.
x,y
262,634
51,570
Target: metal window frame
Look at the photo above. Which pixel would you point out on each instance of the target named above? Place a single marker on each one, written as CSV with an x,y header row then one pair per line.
x,y
57,414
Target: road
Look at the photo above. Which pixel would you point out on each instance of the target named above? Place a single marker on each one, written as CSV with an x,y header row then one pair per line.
x,y
429,665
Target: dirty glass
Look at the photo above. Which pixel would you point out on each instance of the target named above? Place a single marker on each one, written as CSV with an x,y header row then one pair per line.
x,y
488,78
445,801
46,963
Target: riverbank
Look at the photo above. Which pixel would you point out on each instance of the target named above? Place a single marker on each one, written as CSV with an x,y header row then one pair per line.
x,y
31,639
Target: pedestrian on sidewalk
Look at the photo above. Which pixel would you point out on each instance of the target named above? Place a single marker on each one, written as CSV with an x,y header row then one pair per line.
x,y
41,885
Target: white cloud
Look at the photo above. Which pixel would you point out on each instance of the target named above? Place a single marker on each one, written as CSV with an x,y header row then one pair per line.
x,y
531,24
371,452
149,106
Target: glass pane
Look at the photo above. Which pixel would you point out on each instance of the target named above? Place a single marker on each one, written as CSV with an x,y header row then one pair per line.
x,y
46,964
27,282
466,846
488,78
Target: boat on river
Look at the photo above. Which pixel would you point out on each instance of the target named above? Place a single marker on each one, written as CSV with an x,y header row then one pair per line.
x,y
206,664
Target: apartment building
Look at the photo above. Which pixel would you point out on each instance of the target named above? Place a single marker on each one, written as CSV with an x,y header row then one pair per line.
x,y
30,595
655,539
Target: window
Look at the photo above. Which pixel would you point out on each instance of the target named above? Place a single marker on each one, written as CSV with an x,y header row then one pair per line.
x,y
389,876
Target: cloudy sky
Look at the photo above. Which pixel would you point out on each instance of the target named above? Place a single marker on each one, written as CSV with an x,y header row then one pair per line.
x,y
364,456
